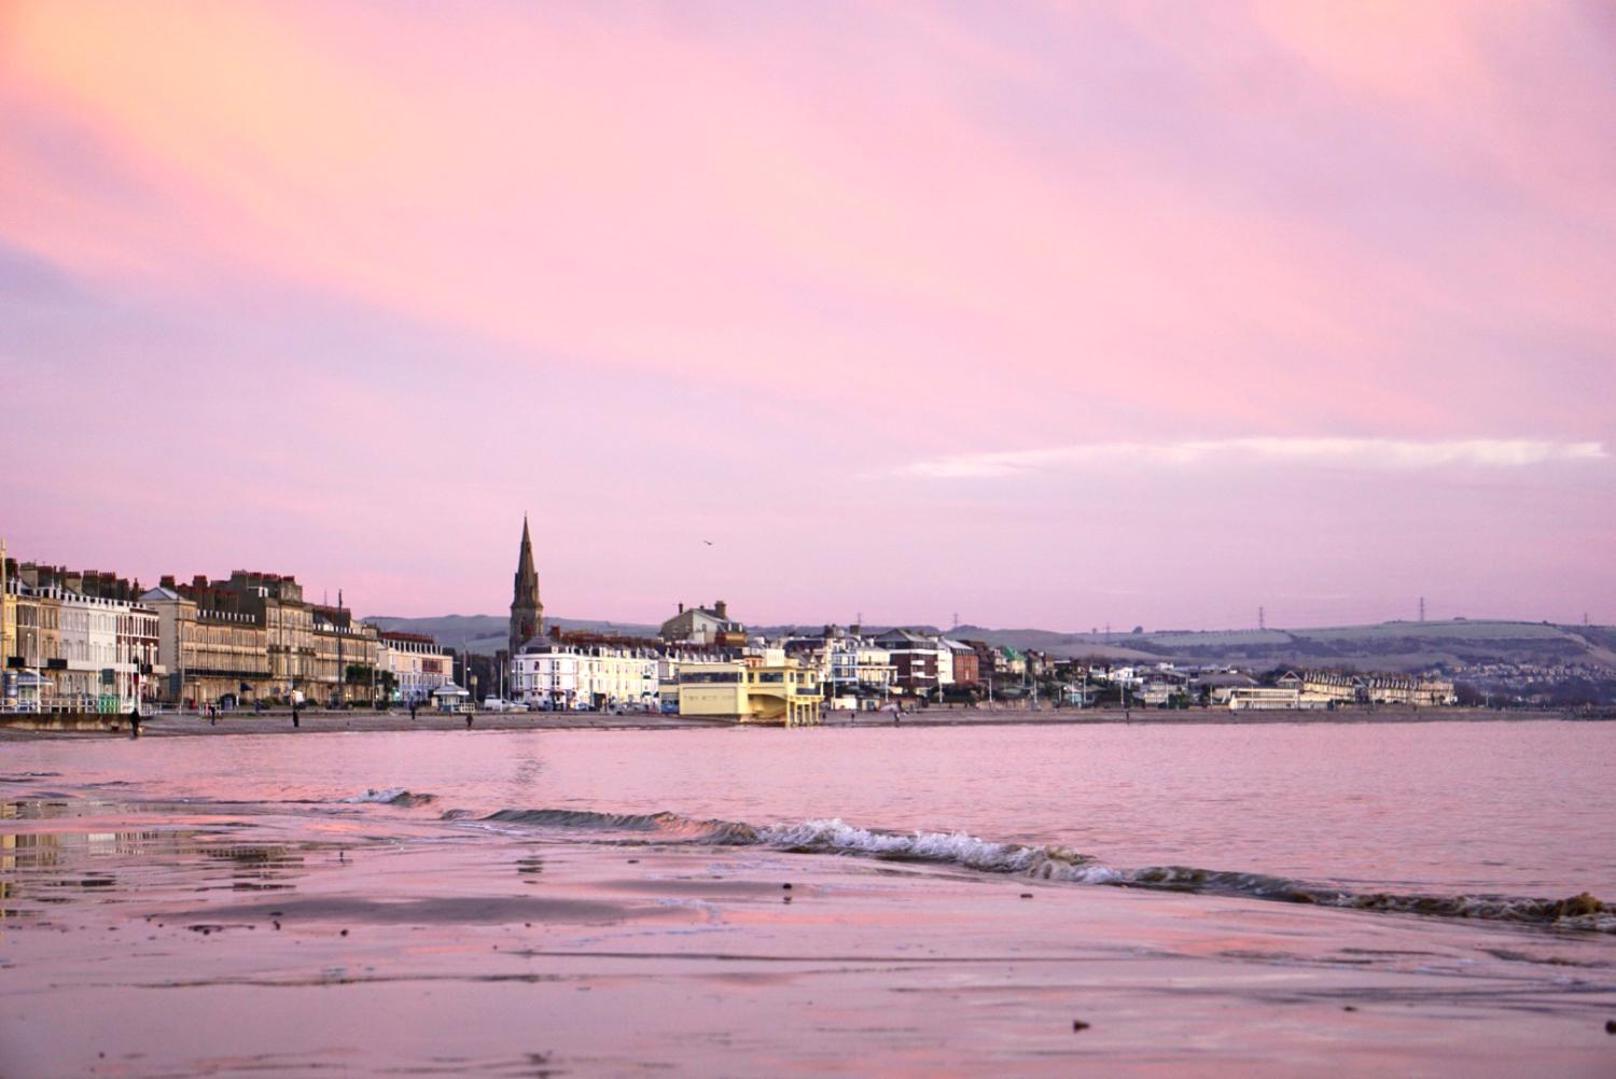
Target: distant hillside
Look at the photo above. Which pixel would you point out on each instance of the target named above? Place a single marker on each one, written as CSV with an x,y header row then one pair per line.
x,y
1388,646
487,633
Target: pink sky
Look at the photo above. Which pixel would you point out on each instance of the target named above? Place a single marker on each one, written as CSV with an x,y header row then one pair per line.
x,y
1042,314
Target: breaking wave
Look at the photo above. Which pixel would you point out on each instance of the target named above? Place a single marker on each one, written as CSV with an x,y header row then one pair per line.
x,y
1052,863
949,848
669,826
392,796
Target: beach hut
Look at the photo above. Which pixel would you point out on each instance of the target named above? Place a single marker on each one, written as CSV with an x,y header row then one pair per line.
x,y
30,689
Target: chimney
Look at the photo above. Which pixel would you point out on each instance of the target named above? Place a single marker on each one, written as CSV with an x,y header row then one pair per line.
x,y
721,610
167,580
681,608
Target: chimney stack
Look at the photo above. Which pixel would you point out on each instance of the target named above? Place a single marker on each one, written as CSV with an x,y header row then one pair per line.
x,y
721,610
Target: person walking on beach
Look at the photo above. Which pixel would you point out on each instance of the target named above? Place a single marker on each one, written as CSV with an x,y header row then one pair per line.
x,y
134,720
468,721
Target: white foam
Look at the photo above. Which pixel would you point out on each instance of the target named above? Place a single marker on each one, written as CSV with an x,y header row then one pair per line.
x,y
386,794
956,848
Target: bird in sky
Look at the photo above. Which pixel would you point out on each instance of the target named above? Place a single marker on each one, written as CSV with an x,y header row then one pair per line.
x,y
708,542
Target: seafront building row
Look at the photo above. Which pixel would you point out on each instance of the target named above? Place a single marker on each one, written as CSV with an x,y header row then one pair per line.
x,y
87,641
703,662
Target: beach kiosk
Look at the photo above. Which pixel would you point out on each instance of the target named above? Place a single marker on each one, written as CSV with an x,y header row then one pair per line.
x,y
450,697
29,689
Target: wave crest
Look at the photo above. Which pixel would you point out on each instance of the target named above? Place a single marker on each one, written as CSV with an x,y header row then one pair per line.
x,y
393,796
1053,863
835,836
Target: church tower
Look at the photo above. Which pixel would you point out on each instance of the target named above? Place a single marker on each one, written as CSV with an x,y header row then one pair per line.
x,y
527,613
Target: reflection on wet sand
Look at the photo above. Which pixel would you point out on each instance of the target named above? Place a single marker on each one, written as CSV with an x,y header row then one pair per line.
x,y
348,930
49,867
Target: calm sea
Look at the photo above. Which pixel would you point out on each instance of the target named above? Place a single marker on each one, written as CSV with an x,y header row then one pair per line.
x,y
1521,809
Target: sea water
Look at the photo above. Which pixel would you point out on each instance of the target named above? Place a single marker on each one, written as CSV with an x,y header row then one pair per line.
x,y
1483,847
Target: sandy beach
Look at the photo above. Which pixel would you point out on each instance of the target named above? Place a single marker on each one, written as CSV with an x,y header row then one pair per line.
x,y
344,954
903,902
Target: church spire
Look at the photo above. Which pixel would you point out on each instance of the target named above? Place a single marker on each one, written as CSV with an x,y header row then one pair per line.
x,y
527,612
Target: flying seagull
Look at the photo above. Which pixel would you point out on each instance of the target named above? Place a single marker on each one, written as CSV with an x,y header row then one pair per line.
x,y
708,542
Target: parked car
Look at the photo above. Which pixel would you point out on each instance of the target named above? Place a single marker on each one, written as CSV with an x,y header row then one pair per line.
x,y
497,704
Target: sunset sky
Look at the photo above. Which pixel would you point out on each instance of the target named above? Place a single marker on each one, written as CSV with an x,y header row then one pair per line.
x,y
1044,314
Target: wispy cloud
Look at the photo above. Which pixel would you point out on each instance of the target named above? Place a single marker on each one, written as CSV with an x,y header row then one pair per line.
x,y
1366,453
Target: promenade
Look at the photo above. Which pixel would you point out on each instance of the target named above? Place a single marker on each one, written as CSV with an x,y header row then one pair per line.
x,y
355,721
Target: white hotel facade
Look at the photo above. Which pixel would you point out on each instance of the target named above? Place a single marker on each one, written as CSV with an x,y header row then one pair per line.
x,y
417,663
562,676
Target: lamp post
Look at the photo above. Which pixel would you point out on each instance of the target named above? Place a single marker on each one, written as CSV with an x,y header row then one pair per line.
x,y
5,604
342,672
179,650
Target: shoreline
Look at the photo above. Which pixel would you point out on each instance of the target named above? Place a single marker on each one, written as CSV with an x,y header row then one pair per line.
x,y
1022,901
325,722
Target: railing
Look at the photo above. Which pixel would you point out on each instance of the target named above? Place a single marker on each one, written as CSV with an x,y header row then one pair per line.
x,y
68,704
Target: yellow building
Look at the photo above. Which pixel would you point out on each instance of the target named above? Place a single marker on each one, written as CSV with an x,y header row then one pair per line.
x,y
750,690
34,637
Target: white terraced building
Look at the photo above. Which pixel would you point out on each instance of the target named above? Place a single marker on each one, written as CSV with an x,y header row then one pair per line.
x,y
102,647
560,677
417,663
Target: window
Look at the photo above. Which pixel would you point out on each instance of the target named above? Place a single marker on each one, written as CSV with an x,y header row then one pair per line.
x,y
711,677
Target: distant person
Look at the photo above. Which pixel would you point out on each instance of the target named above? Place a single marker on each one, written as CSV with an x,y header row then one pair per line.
x,y
295,722
134,721
412,709
469,718
213,715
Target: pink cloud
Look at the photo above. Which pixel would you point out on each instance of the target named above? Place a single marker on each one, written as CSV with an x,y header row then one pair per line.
x,y
841,241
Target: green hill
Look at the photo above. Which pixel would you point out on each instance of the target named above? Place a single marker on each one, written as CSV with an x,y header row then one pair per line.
x,y
487,633
1387,646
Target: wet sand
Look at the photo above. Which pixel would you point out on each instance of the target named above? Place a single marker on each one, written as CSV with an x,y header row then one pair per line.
x,y
246,905
583,959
